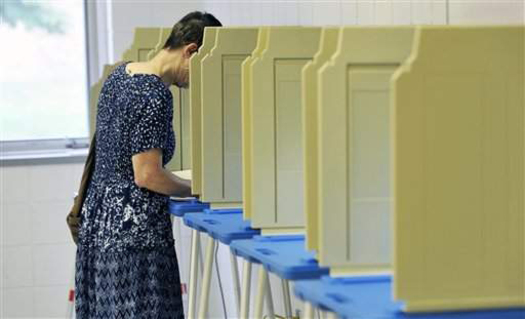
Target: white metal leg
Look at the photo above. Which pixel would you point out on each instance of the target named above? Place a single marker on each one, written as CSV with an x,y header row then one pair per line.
x,y
287,299
200,258
236,282
194,260
246,285
206,279
261,292
269,299
308,310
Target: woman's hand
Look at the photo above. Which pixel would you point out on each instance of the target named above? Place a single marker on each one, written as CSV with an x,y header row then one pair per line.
x,y
187,186
149,173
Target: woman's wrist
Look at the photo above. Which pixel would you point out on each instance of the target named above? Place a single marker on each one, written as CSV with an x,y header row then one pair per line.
x,y
187,188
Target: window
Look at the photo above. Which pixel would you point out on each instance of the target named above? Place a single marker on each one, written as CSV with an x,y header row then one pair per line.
x,y
44,73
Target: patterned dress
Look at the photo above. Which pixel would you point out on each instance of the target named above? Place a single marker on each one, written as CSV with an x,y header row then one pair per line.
x,y
126,266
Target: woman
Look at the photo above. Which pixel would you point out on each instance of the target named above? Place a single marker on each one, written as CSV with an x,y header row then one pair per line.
x,y
126,266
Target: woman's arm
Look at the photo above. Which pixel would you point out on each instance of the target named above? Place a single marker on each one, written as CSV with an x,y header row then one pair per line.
x,y
149,173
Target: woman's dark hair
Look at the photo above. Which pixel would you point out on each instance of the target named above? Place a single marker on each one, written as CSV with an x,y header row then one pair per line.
x,y
190,29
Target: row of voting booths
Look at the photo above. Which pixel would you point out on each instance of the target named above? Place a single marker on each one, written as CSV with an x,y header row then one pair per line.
x,y
397,152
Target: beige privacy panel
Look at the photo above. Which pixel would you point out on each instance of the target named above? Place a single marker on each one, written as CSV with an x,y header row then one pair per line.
x,y
355,198
327,47
146,43
181,124
221,114
185,140
459,170
277,165
246,106
195,108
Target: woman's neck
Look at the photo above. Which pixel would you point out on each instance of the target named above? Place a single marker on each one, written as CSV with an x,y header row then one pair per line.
x,y
166,65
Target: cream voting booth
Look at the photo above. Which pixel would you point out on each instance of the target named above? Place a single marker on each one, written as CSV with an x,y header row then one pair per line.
x,y
310,114
421,164
246,113
221,116
354,148
458,136
276,130
216,116
196,109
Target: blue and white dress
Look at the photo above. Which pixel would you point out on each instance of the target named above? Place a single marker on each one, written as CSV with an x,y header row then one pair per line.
x,y
126,266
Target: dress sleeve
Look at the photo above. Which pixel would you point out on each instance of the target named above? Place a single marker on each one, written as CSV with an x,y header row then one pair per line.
x,y
151,125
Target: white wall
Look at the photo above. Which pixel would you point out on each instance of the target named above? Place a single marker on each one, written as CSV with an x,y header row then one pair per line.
x,y
487,11
36,251
127,14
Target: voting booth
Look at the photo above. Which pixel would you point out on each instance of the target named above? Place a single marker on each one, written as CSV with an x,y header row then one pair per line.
x,y
246,113
195,108
276,130
459,168
310,110
355,196
421,163
221,133
215,75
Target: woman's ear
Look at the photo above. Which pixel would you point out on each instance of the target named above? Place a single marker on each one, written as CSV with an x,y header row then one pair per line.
x,y
190,49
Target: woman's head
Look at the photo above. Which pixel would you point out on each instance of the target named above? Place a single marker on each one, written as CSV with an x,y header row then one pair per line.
x,y
190,29
185,39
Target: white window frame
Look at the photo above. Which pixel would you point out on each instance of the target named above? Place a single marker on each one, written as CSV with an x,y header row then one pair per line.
x,y
99,51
